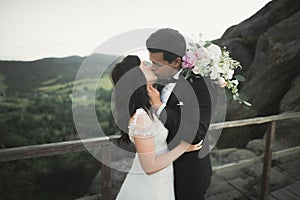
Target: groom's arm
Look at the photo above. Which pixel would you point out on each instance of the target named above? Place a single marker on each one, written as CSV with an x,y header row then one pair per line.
x,y
205,107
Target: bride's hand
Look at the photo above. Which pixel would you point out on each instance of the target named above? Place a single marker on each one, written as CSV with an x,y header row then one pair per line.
x,y
154,96
192,147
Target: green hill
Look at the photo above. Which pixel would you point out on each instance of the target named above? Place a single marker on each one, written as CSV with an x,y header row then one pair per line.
x,y
20,76
38,97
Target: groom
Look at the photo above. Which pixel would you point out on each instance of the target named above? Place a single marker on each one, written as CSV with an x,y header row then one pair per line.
x,y
185,107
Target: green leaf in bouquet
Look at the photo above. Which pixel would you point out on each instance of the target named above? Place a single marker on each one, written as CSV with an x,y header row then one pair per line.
x,y
238,98
207,44
228,95
188,74
240,78
243,97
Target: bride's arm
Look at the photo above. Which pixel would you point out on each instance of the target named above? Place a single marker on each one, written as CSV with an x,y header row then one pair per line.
x,y
152,163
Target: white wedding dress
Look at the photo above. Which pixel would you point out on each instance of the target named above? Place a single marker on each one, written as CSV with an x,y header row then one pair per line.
x,y
138,185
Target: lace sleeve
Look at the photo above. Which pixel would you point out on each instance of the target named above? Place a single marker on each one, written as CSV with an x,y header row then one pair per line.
x,y
141,125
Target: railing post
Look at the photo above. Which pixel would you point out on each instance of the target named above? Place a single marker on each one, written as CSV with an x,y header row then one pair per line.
x,y
265,189
105,171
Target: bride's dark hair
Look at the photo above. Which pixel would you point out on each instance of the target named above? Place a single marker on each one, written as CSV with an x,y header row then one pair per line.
x,y
132,89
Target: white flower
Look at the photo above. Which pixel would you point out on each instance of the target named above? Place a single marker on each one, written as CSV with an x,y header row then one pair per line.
x,y
196,70
214,52
214,72
235,82
226,71
230,74
235,90
203,62
204,71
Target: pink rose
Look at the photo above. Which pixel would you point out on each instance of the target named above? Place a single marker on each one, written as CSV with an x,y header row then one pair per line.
x,y
189,60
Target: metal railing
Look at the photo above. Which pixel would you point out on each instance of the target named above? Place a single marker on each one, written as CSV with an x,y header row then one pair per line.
x,y
35,151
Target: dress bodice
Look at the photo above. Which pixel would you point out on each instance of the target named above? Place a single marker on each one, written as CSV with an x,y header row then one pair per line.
x,y
143,126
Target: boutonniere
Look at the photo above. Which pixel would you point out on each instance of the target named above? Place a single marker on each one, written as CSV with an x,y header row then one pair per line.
x,y
180,103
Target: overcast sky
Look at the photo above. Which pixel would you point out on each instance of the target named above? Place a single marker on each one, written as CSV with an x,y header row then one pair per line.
x,y
34,29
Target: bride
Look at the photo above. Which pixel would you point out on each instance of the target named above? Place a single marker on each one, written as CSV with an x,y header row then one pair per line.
x,y
151,174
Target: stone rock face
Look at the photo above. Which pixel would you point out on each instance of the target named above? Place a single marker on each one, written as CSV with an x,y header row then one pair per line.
x,y
230,155
287,131
268,46
291,100
258,146
275,65
241,39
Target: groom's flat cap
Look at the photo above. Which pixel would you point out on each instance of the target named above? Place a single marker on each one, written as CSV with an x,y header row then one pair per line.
x,y
169,40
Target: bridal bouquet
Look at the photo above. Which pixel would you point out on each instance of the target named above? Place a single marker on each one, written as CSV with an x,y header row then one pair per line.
x,y
209,60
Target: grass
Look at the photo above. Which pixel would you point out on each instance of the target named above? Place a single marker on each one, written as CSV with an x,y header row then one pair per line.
x,y
81,85
52,81
105,83
55,87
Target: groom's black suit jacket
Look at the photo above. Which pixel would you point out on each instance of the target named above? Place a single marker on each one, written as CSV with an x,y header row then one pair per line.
x,y
187,116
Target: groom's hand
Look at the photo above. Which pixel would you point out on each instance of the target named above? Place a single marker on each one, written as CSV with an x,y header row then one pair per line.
x,y
193,147
154,96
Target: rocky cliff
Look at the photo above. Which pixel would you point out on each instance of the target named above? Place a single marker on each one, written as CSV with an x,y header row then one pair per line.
x,y
268,47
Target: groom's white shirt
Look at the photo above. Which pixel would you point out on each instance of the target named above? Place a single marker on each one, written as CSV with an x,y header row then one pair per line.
x,y
166,93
